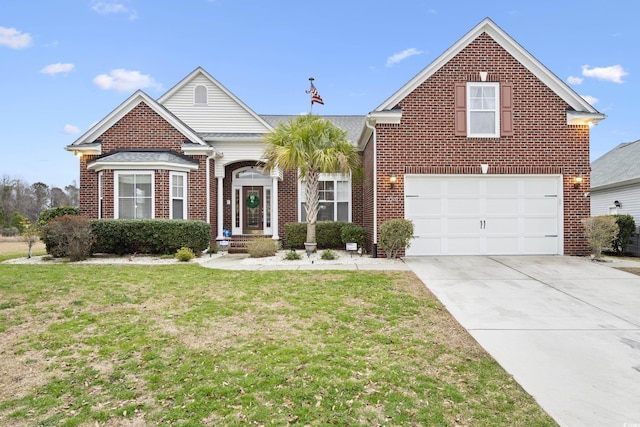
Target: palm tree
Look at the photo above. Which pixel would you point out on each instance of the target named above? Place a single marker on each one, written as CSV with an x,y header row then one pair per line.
x,y
311,145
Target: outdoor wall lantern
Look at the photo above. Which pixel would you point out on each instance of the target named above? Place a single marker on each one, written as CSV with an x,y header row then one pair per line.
x,y
392,181
617,204
577,181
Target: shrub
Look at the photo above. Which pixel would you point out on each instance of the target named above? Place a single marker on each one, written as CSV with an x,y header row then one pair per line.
x,y
49,214
328,234
626,230
292,256
9,231
262,247
185,254
68,236
329,255
395,236
150,236
600,231
353,233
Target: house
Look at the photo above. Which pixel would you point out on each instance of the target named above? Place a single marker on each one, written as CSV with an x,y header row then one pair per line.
x,y
485,150
615,185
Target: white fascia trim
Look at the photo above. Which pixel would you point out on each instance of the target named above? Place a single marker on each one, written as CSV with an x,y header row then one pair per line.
x,y
617,184
582,118
234,139
200,151
392,117
95,149
178,167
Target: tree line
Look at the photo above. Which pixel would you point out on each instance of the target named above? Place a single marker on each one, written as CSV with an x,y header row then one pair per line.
x,y
21,202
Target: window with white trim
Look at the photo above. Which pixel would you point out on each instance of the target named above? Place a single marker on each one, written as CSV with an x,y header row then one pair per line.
x,y
334,191
134,195
483,109
178,195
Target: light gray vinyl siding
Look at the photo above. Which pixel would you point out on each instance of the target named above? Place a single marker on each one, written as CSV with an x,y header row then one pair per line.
x,y
221,113
628,196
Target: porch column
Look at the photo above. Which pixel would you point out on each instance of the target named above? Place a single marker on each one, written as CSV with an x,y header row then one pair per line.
x,y
274,208
220,205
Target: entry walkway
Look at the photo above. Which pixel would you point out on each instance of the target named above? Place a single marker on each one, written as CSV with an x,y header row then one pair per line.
x,y
566,328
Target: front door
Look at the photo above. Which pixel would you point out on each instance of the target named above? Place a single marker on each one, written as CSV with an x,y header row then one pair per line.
x,y
252,210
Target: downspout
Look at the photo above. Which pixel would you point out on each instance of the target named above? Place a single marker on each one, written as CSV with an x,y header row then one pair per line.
x,y
375,186
208,185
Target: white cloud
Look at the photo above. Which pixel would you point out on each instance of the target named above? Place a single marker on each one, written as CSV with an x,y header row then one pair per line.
x,y
613,73
397,57
57,68
590,99
71,129
113,7
573,80
14,39
123,80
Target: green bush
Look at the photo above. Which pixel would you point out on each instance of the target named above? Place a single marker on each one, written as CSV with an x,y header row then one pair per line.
x,y
600,231
626,230
18,221
328,234
292,256
68,236
150,236
395,236
49,214
185,254
262,247
329,255
354,233
9,231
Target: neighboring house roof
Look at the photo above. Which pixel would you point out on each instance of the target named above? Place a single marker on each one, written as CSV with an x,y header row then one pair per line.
x,y
123,109
122,159
577,103
619,166
351,124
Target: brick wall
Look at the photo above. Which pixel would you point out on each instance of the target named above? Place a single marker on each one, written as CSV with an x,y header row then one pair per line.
x,y
142,128
425,141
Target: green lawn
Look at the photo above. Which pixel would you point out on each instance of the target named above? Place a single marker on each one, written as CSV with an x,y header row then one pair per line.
x,y
185,345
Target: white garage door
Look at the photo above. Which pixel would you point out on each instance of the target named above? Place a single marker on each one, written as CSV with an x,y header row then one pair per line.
x,y
484,214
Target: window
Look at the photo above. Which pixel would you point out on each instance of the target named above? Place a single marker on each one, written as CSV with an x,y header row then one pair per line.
x,y
178,195
200,94
134,195
483,110
334,201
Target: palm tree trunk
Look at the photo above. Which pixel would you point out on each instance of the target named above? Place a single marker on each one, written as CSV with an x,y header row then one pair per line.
x,y
311,204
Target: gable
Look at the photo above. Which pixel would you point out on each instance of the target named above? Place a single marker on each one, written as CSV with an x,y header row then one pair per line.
x,y
487,27
222,112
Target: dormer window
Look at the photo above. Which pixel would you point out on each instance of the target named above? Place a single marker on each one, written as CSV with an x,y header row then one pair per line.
x,y
200,95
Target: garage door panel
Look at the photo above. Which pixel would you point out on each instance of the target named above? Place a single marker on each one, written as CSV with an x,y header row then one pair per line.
x,y
540,226
426,226
420,206
502,245
478,214
463,206
502,206
541,206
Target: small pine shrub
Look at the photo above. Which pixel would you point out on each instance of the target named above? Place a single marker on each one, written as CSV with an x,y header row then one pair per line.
x,y
185,254
626,230
395,236
262,247
292,256
600,232
329,255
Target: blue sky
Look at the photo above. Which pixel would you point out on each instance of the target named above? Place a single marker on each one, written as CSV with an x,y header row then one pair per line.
x,y
65,64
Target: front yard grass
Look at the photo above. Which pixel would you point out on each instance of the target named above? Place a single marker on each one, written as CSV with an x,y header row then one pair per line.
x,y
189,346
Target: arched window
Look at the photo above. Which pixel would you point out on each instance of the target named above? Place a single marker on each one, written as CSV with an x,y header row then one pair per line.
x,y
200,94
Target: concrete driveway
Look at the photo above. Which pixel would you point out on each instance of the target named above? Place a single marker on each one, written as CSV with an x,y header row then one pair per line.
x,y
567,329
